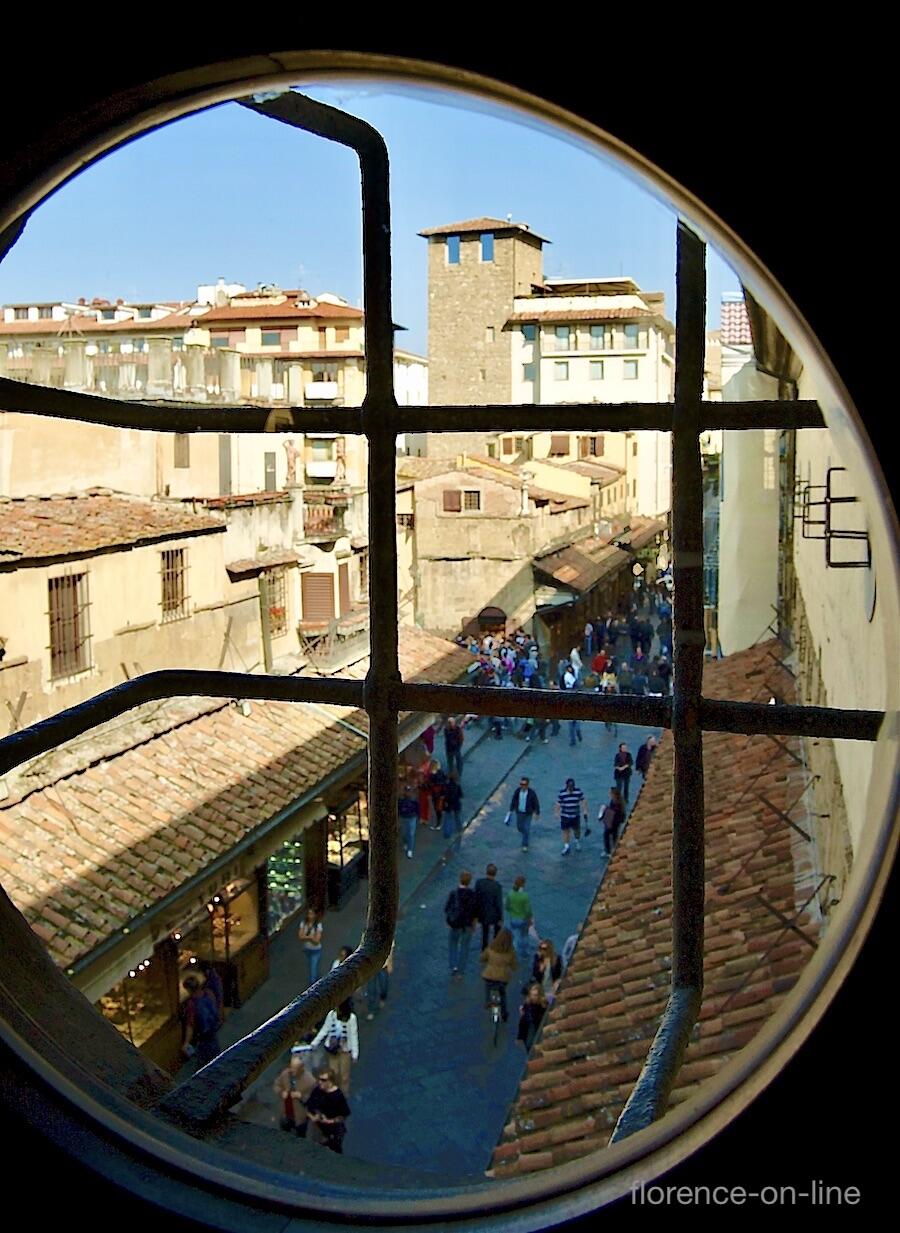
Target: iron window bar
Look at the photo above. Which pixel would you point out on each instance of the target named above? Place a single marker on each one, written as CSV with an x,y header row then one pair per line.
x,y
384,695
809,524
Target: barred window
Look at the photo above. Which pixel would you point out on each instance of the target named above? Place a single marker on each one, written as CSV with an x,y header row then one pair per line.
x,y
472,499
69,629
173,572
278,614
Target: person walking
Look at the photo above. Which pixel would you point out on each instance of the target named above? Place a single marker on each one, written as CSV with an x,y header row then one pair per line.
x,y
525,807
460,912
664,668
310,935
645,756
588,640
293,1087
531,1015
452,814
213,982
570,682
340,1035
408,812
489,904
622,765
201,1022
378,986
571,805
612,819
498,965
546,970
517,905
576,663
327,1108
454,735
437,783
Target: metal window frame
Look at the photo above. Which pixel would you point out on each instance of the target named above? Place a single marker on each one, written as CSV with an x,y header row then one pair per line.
x,y
383,693
72,656
174,571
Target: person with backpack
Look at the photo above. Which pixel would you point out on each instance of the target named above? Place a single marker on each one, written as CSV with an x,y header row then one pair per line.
x,y
201,1022
460,912
340,1036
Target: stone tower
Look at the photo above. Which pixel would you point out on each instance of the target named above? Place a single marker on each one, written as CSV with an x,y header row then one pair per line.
x,y
475,270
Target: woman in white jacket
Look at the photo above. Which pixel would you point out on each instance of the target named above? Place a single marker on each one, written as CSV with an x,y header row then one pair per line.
x,y
340,1036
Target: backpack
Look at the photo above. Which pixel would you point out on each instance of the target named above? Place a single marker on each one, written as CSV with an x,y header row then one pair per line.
x,y
206,1015
453,911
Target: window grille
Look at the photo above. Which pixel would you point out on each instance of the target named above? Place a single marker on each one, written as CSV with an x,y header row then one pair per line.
x,y
202,1098
278,618
472,499
173,572
69,630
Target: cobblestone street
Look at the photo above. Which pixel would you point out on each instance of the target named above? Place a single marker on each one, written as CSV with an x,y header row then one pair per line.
x,y
430,1090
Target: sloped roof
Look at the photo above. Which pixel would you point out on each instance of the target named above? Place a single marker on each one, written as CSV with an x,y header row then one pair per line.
x,y
83,857
482,224
596,1036
603,472
284,311
544,311
735,324
34,528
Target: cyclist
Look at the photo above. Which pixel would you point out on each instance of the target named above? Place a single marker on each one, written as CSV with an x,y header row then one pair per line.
x,y
499,962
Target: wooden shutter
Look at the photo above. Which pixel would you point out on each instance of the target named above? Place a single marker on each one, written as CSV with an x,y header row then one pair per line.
x,y
559,445
318,596
584,444
344,587
452,501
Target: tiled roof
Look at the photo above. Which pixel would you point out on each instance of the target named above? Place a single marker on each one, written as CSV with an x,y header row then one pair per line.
x,y
605,472
280,312
76,326
482,224
83,857
32,528
735,323
423,468
596,1036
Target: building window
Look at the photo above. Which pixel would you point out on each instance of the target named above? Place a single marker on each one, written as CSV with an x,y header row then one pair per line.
x,y
472,499
342,333
178,342
487,246
634,449
601,337
632,337
631,370
452,250
269,472
489,334
563,336
219,340
45,314
108,314
491,450
452,501
271,338
144,313
323,337
596,370
173,569
528,372
520,444
364,573
509,445
529,333
321,449
182,450
69,629
137,345
634,488
276,580
21,314
559,445
561,370
591,447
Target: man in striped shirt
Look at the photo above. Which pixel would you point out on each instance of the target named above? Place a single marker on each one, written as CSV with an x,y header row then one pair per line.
x,y
571,806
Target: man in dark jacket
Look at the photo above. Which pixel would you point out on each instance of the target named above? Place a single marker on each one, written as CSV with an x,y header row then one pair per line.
x,y
645,756
622,765
453,741
460,912
489,905
524,806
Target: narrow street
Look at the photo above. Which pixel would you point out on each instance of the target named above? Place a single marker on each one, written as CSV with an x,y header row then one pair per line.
x,y
430,1090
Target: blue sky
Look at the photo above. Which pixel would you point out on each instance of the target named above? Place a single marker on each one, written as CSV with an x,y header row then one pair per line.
x,y
230,193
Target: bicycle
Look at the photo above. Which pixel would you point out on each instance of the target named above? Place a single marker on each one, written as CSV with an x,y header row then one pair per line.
x,y
494,1003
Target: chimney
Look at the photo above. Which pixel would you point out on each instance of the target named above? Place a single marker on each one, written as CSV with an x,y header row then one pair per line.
x,y
221,293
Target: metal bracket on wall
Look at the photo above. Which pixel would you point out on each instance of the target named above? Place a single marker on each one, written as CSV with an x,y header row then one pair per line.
x,y
864,559
810,524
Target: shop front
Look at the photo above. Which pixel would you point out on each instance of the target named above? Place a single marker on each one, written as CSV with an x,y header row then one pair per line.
x,y
230,932
347,845
144,1005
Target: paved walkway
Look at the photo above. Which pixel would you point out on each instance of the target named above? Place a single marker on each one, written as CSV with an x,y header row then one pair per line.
x,y
430,1090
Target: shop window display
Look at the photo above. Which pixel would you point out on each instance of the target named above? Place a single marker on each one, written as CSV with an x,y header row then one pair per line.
x,y
348,831
142,1003
286,877
220,930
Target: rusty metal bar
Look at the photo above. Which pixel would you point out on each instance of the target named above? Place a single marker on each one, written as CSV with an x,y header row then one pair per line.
x,y
212,1090
649,1097
167,415
821,721
20,746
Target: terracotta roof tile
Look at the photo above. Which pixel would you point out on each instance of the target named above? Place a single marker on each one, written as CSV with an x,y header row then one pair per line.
x,y
82,870
32,528
596,1036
